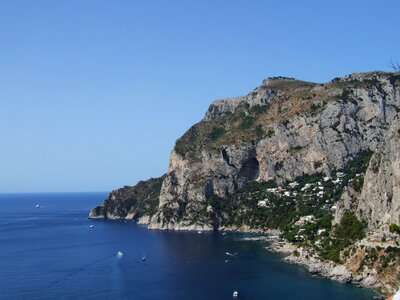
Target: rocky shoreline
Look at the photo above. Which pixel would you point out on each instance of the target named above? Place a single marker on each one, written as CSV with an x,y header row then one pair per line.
x,y
291,154
293,255
327,269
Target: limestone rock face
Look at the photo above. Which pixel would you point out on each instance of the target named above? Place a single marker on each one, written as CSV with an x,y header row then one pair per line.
x,y
282,130
223,107
379,202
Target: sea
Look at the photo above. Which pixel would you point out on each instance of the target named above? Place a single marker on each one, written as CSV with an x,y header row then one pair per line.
x,y
53,252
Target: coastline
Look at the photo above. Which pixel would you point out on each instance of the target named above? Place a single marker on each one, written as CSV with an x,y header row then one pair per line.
x,y
327,269
292,254
301,257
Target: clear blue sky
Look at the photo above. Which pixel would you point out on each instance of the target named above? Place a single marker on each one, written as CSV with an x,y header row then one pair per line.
x,y
94,93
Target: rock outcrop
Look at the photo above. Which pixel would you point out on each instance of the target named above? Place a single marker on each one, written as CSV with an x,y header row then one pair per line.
x,y
291,155
379,202
284,129
365,265
137,202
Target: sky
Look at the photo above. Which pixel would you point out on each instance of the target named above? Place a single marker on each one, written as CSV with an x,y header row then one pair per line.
x,y
94,93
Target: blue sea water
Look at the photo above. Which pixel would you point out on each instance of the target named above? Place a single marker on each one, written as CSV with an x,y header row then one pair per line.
x,y
52,253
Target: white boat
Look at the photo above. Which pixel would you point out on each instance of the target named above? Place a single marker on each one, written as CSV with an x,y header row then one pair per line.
x,y
235,294
120,254
91,226
37,206
143,257
199,232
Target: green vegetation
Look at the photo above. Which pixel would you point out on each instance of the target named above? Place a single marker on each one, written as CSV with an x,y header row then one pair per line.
x,y
168,213
242,207
392,254
255,186
349,230
281,78
357,166
260,131
141,199
216,133
315,107
394,78
346,95
358,183
247,122
310,179
371,256
301,210
99,210
259,109
187,142
242,126
394,228
270,133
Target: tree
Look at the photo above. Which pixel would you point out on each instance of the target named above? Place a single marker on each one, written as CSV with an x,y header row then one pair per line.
x,y
395,65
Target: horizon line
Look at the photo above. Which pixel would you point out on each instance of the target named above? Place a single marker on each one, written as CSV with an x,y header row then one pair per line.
x,y
54,192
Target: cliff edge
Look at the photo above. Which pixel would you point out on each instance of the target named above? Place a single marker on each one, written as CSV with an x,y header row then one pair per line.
x,y
319,162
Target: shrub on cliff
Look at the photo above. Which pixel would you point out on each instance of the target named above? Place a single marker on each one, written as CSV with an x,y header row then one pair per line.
x,y
394,228
216,133
347,232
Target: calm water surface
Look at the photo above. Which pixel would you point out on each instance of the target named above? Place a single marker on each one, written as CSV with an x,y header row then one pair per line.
x,y
52,253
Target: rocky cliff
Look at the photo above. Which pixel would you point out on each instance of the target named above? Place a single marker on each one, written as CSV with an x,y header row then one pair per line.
x,y
319,162
137,202
379,202
282,130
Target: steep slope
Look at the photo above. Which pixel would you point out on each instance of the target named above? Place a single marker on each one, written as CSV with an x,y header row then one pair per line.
x,y
137,202
379,200
282,130
319,162
363,246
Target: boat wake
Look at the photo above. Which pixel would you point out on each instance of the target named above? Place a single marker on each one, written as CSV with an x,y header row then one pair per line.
x,y
231,254
73,273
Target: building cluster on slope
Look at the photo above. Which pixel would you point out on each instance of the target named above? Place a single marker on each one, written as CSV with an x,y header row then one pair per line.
x,y
298,192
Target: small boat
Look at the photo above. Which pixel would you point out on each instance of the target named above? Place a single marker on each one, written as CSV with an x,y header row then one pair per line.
x,y
235,294
37,206
199,232
91,226
226,260
143,257
231,254
119,254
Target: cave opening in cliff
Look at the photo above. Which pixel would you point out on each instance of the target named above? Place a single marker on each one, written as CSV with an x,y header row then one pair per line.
x,y
250,169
